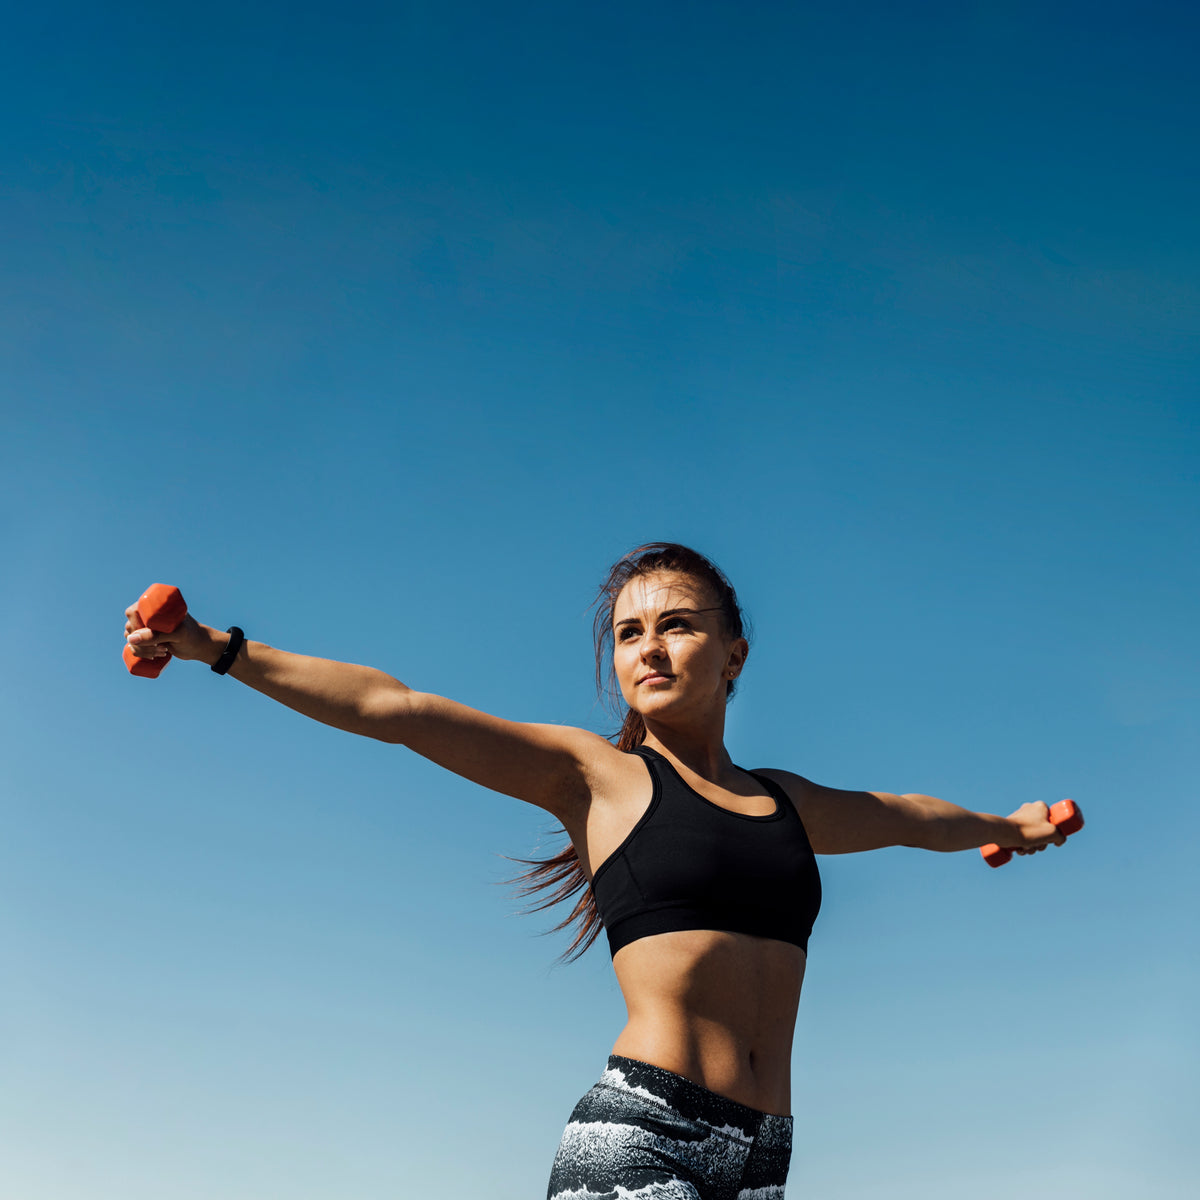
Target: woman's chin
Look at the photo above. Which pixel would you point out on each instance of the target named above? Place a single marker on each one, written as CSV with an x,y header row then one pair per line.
x,y
658,708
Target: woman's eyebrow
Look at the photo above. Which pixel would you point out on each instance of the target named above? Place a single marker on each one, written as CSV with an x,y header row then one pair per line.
x,y
670,612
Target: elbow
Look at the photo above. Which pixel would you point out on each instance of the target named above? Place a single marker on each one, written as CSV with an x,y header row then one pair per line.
x,y
926,828
925,839
386,712
941,838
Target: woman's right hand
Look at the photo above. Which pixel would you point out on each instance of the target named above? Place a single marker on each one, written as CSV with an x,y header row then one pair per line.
x,y
189,640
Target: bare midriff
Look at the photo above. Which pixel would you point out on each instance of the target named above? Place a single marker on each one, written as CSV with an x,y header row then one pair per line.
x,y
717,1008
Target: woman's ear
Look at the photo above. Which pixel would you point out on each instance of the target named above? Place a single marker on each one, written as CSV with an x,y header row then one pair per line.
x,y
737,658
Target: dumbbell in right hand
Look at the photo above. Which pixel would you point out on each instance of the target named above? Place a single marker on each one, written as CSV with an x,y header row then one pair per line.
x,y
161,608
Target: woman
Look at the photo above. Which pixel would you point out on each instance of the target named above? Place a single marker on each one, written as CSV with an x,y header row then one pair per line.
x,y
703,874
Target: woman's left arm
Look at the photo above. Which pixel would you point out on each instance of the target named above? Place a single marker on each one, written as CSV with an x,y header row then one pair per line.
x,y
844,822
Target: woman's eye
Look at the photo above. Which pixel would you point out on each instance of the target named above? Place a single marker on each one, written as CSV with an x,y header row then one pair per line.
x,y
676,623
627,633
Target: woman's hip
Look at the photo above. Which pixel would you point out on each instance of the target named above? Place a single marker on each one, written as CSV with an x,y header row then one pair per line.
x,y
659,1136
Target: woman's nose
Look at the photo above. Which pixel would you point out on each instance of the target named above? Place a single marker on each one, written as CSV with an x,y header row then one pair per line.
x,y
652,644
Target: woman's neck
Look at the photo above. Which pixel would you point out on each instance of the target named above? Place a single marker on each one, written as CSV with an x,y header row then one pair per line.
x,y
701,752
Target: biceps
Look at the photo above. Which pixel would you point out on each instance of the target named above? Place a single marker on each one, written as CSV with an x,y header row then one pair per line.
x,y
847,822
540,764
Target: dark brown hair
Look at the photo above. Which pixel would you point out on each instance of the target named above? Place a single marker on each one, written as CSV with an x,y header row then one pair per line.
x,y
549,881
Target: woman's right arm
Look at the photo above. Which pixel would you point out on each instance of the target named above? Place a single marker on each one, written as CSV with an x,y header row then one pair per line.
x,y
547,765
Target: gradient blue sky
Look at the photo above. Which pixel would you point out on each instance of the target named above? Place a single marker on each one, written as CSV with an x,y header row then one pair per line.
x,y
381,331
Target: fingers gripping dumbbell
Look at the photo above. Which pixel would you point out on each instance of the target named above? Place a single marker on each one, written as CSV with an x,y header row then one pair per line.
x,y
1065,814
161,608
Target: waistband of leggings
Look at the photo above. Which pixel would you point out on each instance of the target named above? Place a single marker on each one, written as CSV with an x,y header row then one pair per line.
x,y
686,1097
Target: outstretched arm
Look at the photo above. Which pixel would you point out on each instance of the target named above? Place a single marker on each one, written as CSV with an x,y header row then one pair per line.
x,y
356,699
844,822
546,765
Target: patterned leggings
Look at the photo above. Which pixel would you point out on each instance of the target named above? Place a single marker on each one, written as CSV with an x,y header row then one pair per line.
x,y
643,1133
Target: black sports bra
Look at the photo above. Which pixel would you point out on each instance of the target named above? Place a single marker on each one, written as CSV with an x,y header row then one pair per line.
x,y
691,864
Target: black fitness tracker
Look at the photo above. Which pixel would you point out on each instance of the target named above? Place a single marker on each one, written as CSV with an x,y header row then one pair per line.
x,y
236,638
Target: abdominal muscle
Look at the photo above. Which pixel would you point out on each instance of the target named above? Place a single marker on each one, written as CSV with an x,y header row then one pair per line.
x,y
717,1008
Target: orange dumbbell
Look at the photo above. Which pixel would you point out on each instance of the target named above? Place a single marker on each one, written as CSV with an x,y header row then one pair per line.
x,y
160,608
1065,814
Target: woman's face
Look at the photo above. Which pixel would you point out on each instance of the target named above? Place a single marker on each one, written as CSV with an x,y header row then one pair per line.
x,y
670,650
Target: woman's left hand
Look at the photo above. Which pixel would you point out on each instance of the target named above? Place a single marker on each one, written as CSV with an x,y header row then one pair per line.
x,y
1033,825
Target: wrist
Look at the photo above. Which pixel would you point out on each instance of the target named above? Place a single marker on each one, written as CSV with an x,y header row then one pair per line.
x,y
215,641
1005,832
233,647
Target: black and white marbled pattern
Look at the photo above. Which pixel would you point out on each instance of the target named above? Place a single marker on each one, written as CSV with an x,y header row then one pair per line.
x,y
643,1133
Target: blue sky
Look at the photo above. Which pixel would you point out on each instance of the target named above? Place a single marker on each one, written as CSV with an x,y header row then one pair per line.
x,y
381,332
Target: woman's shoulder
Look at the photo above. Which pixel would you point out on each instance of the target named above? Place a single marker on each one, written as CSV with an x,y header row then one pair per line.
x,y
840,820
788,780
803,793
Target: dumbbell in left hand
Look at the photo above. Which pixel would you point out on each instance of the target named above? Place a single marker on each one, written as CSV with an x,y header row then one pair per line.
x,y
1065,814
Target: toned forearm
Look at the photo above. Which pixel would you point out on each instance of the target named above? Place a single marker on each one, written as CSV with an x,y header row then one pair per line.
x,y
357,699
939,825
